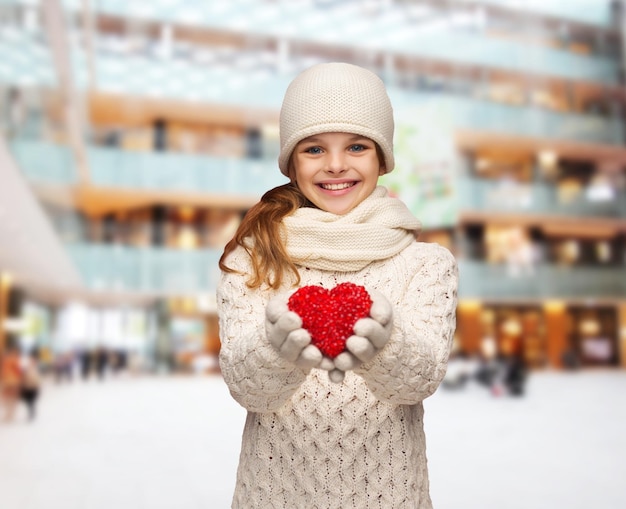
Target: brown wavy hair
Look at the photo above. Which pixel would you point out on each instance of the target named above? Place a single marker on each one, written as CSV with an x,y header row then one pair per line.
x,y
260,235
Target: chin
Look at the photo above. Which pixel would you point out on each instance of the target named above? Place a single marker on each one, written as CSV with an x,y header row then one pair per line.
x,y
341,210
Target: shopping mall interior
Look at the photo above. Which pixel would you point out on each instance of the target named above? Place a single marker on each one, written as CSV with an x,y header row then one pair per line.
x,y
135,136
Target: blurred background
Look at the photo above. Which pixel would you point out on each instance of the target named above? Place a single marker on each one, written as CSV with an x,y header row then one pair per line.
x,y
135,135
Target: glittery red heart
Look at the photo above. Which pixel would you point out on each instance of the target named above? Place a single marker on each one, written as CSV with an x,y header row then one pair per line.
x,y
330,315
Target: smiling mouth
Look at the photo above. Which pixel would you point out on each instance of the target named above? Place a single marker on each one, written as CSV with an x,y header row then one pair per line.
x,y
337,187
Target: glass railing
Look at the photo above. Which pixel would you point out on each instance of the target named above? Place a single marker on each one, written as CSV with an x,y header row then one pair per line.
x,y
172,171
183,75
512,56
150,270
49,163
265,90
394,31
44,161
596,12
586,11
52,161
480,280
113,70
480,114
538,198
260,86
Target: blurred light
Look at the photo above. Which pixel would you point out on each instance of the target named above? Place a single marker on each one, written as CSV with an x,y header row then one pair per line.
x,y
488,347
187,238
600,190
469,305
6,279
512,327
15,325
186,212
603,251
570,251
589,327
206,303
553,306
482,163
548,162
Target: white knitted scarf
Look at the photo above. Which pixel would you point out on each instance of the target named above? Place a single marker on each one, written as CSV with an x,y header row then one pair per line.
x,y
378,228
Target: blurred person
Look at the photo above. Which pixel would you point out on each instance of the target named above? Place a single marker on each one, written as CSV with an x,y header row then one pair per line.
x,y
515,369
488,369
120,363
63,367
10,379
30,382
515,376
331,430
101,361
503,371
85,360
570,359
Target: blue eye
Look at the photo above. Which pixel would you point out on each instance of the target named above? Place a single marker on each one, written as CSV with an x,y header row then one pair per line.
x,y
314,150
357,147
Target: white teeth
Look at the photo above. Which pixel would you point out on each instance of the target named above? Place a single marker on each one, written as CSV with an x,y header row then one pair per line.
x,y
337,187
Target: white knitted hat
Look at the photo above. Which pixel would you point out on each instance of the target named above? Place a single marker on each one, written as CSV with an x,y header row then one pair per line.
x,y
336,97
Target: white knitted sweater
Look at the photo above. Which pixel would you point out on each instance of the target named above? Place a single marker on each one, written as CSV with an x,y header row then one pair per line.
x,y
312,444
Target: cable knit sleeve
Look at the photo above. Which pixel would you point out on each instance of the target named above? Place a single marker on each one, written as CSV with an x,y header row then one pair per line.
x,y
257,377
413,363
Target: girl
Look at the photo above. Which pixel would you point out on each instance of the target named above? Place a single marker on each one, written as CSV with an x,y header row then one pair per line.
x,y
343,432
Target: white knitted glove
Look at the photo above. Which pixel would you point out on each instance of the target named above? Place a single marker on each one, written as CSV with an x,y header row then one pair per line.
x,y
370,336
285,333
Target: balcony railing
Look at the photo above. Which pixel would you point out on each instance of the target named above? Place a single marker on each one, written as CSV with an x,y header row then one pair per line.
x,y
172,171
585,11
395,30
480,280
165,171
538,198
43,161
477,114
148,270
597,12
193,73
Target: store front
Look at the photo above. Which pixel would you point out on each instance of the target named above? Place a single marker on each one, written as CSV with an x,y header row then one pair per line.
x,y
594,335
544,334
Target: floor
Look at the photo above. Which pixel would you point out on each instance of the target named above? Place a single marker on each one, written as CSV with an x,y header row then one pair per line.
x,y
172,443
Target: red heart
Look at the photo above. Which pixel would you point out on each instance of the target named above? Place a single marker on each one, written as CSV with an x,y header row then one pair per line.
x,y
330,315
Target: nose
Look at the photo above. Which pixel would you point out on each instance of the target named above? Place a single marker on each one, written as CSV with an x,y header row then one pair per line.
x,y
336,163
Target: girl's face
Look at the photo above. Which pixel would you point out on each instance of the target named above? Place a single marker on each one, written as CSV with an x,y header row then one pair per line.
x,y
336,171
